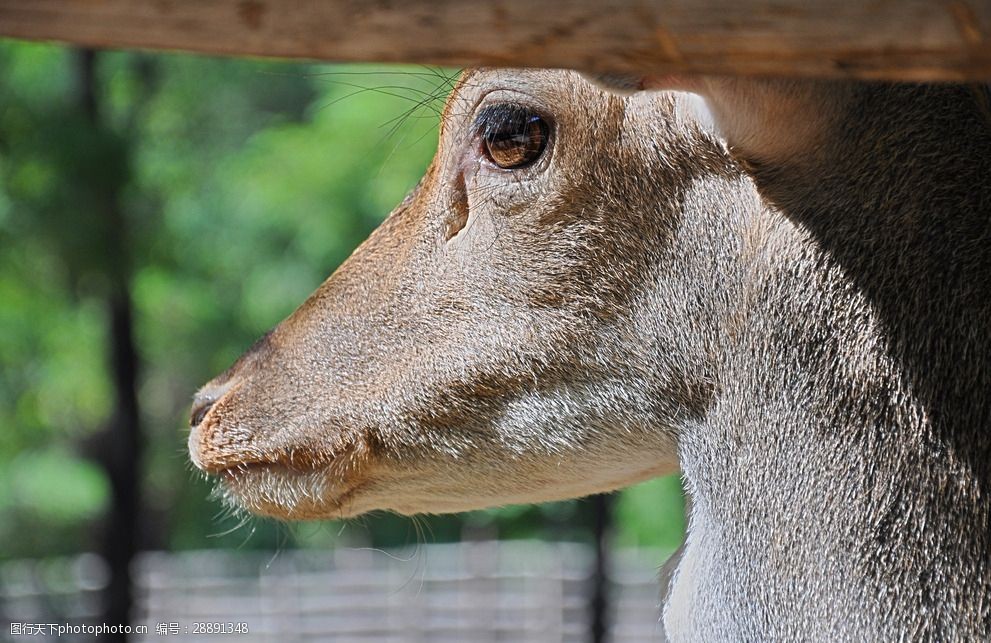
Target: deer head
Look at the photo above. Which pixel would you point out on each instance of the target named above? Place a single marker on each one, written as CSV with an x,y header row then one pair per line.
x,y
513,332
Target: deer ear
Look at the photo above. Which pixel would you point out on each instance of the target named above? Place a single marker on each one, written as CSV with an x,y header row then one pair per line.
x,y
764,121
774,121
770,121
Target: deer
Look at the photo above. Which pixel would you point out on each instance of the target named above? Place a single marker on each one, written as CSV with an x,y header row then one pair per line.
x,y
780,290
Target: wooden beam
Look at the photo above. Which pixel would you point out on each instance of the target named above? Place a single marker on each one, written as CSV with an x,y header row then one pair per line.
x,y
902,39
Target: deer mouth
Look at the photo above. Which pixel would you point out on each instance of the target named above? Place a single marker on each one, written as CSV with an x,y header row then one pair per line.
x,y
289,484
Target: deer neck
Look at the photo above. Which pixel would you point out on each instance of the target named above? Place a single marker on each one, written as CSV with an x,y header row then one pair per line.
x,y
840,482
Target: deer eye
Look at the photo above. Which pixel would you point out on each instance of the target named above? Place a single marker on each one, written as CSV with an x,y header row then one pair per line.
x,y
512,136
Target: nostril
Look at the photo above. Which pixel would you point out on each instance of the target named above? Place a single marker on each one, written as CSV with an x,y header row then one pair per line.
x,y
207,397
200,408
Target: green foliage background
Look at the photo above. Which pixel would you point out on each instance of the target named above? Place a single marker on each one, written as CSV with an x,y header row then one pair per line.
x,y
244,184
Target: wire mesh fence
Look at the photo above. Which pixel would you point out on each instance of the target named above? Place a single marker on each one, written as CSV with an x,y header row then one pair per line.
x,y
470,591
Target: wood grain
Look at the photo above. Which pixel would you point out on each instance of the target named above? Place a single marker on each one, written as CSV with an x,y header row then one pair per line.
x,y
893,39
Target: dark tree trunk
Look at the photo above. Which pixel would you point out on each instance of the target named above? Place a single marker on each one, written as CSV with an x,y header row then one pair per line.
x,y
599,598
121,443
